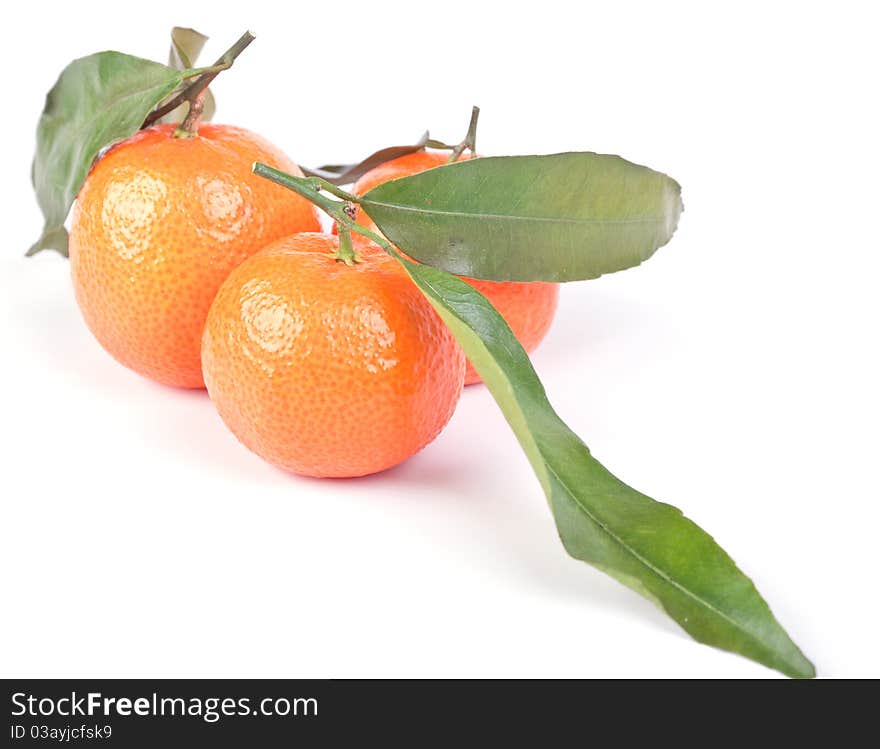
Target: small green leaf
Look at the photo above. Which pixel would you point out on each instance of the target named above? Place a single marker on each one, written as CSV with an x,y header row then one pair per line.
x,y
186,46
563,217
97,101
343,174
647,545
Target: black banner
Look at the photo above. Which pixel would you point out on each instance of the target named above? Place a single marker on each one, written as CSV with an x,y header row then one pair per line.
x,y
169,712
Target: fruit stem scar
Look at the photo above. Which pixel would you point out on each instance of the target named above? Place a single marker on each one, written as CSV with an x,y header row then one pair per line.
x,y
196,89
470,140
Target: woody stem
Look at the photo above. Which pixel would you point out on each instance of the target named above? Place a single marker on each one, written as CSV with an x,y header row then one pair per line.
x,y
470,140
197,88
190,124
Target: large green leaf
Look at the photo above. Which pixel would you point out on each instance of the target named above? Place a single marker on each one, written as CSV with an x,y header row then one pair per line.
x,y
186,46
97,101
645,544
563,217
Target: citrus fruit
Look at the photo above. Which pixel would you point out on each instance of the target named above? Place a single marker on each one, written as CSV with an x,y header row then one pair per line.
x,y
528,308
326,369
156,228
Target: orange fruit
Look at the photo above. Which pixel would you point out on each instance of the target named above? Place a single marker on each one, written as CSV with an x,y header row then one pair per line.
x,y
528,308
158,225
325,369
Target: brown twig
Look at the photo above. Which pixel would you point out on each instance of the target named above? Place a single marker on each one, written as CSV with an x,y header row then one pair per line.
x,y
195,90
470,140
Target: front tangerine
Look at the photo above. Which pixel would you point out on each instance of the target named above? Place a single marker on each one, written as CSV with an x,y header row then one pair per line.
x,y
325,369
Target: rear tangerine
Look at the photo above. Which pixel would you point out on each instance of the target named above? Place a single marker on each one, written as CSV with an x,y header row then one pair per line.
x,y
158,225
528,308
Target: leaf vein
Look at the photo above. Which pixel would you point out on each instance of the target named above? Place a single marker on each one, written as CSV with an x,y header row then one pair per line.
x,y
537,219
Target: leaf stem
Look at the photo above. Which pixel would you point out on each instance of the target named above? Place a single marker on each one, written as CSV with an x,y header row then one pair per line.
x,y
342,211
196,89
196,72
309,188
337,191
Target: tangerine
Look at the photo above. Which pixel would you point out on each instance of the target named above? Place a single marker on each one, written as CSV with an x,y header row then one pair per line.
x,y
156,228
326,369
528,308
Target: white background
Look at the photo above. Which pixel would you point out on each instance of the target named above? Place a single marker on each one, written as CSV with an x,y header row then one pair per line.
x,y
734,375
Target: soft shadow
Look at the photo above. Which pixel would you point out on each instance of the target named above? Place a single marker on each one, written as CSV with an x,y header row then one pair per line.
x,y
487,486
535,555
501,503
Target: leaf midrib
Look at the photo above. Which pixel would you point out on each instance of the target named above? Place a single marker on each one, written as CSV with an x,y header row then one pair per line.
x,y
538,219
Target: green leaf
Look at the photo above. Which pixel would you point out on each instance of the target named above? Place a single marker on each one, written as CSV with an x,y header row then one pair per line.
x,y
563,217
343,174
97,101
647,545
186,46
